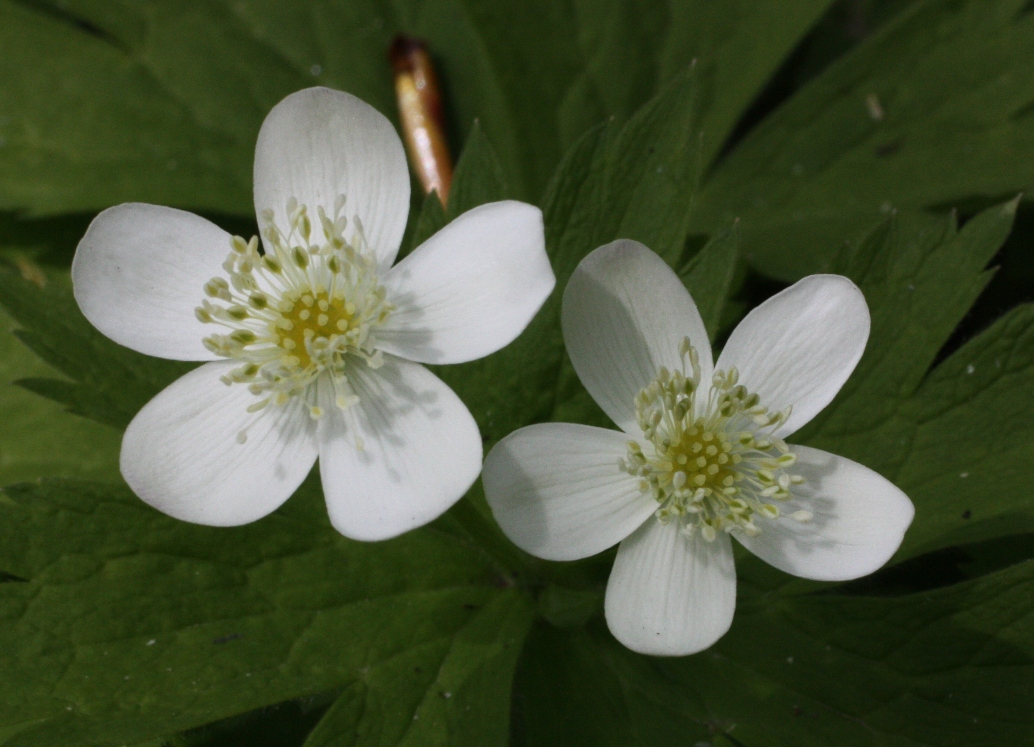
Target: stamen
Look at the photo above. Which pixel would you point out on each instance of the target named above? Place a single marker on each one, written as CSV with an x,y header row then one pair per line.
x,y
710,466
299,310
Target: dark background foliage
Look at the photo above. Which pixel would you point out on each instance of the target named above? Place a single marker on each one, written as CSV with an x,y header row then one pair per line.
x,y
749,142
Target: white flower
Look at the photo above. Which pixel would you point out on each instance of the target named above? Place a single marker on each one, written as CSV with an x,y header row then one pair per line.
x,y
701,455
314,345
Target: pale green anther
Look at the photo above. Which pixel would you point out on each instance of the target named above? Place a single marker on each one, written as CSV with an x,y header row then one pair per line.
x,y
259,300
215,287
272,264
243,336
300,257
239,244
202,316
258,405
238,312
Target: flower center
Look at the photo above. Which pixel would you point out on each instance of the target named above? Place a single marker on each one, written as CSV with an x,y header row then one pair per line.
x,y
308,306
712,462
314,317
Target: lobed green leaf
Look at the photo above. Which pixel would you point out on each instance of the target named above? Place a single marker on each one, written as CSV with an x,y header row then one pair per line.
x,y
129,625
950,666
934,110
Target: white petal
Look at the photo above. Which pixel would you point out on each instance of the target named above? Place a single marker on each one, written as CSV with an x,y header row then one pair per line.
x,y
858,521
799,347
625,313
139,273
318,144
401,456
668,594
471,288
557,492
181,453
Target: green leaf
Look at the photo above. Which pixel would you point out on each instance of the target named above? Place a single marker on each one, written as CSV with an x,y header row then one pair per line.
x,y
131,625
431,220
450,691
640,181
737,45
126,124
109,383
38,439
950,666
956,439
161,101
577,688
709,275
479,176
935,109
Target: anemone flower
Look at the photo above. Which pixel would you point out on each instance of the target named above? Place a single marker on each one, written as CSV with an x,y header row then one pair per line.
x,y
313,344
700,457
